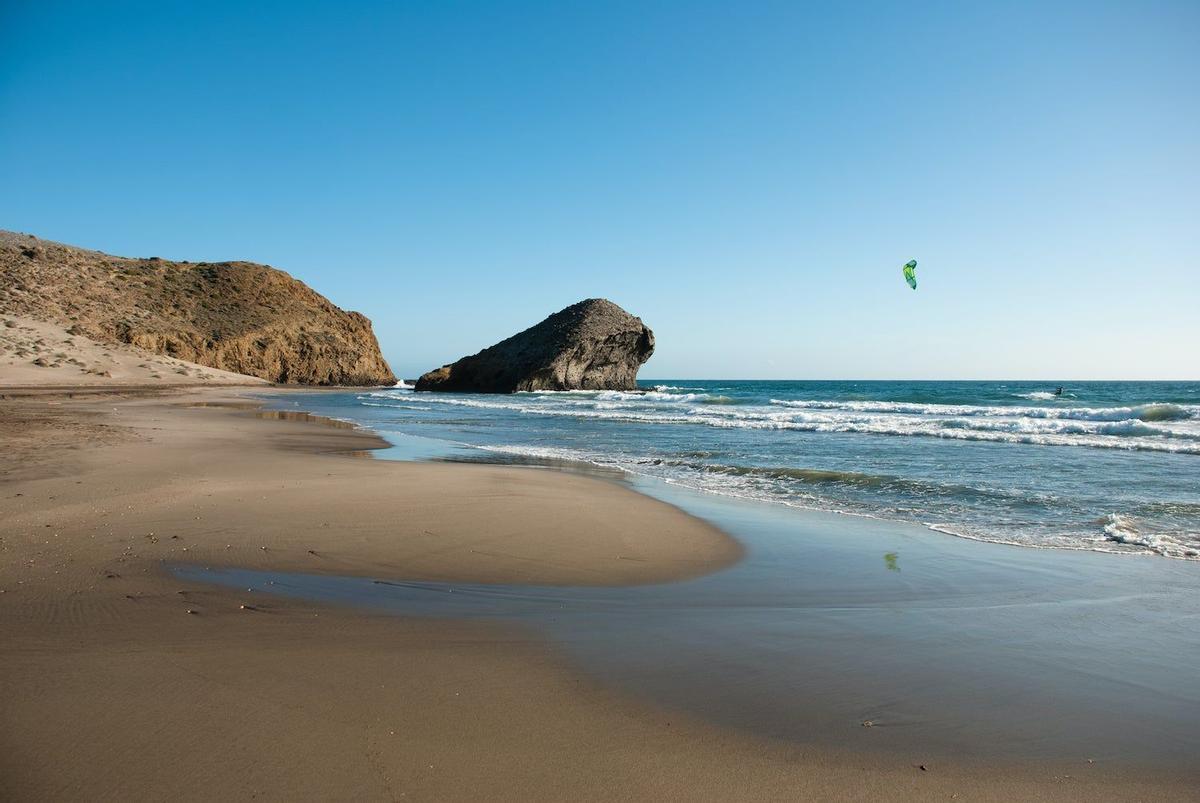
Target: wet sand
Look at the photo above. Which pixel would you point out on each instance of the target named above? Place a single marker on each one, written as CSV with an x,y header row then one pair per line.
x,y
111,689
870,637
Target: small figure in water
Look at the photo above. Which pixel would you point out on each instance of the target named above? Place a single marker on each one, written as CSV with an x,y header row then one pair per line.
x,y
1058,392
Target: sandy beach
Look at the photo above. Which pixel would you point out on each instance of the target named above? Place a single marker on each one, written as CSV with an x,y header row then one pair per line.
x,y
599,402
120,681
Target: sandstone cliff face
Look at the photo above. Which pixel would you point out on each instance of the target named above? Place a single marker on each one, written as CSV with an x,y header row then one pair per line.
x,y
235,316
592,345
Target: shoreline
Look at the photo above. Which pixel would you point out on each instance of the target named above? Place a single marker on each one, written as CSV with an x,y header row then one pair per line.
x,y
415,520
113,690
1108,470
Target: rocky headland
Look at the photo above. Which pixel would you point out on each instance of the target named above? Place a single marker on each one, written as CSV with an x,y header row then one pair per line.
x,y
239,317
592,345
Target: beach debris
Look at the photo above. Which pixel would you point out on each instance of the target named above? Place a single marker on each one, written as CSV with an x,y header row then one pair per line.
x,y
249,608
313,552
867,723
193,611
910,273
922,768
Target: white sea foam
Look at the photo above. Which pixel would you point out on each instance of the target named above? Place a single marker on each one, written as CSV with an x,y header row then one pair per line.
x,y
1121,530
1156,518
1145,412
549,453
1149,427
1120,534
650,396
1124,530
398,406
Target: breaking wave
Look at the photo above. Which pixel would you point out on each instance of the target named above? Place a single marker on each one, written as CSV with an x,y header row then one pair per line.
x,y
1143,412
1149,427
1120,529
1113,471
785,485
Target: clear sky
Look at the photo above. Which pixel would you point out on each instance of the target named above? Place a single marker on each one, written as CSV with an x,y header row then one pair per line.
x,y
747,177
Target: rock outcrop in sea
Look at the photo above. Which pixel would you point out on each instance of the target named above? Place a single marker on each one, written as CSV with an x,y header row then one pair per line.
x,y
237,316
592,345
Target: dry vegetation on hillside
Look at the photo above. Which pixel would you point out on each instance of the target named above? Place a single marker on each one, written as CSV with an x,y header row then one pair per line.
x,y
234,316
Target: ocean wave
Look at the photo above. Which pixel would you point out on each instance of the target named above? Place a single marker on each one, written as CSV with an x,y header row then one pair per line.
x,y
1130,434
550,453
1098,440
1124,530
1119,533
670,394
1128,428
650,396
889,453
1045,395
637,405
862,480
1121,530
420,407
1158,411
1166,412
1171,508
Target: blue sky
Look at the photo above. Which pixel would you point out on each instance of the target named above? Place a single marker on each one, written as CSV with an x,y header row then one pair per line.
x,y
747,177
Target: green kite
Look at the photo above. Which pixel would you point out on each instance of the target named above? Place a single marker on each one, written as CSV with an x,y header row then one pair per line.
x,y
910,273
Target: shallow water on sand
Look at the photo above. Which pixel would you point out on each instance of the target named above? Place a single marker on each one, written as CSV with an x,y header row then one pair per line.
x,y
1103,466
946,647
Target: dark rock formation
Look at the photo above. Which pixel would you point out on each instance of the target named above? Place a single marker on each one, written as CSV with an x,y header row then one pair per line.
x,y
236,316
592,345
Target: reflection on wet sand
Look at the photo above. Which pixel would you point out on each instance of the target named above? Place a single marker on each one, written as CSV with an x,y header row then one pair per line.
x,y
292,415
972,651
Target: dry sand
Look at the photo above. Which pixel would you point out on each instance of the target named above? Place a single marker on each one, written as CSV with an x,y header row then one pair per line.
x,y
35,353
110,689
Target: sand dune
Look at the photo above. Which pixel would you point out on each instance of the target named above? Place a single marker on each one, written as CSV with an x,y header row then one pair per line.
x,y
36,353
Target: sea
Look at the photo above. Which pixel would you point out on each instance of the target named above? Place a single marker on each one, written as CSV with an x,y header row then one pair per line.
x,y
1102,466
